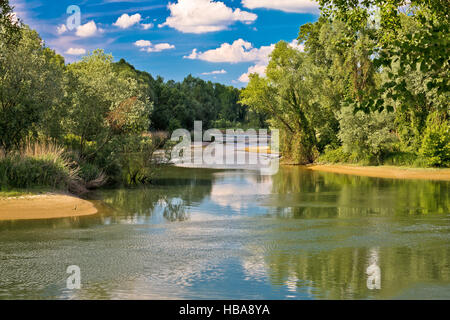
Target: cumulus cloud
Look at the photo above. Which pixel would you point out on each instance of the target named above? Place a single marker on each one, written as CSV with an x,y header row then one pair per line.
x,y
142,43
298,6
257,68
147,46
239,51
87,30
61,29
201,16
147,26
214,72
261,65
75,51
125,21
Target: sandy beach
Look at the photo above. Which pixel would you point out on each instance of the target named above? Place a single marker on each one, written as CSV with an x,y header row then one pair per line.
x,y
44,206
385,171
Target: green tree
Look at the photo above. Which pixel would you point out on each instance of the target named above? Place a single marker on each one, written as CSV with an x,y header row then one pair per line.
x,y
103,103
366,135
436,142
9,27
284,95
30,85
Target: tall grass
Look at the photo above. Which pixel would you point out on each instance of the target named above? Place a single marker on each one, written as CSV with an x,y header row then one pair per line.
x,y
39,165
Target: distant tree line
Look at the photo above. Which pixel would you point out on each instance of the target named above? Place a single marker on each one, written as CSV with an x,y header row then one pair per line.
x,y
179,104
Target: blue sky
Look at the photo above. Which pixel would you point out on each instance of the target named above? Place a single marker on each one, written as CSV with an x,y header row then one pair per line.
x,y
221,41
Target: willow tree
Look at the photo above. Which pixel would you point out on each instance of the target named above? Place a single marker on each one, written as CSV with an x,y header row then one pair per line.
x,y
285,96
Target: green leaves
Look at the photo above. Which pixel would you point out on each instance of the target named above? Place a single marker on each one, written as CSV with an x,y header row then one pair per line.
x,y
103,103
436,142
30,86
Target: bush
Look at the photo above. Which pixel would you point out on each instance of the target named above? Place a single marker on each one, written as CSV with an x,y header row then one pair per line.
x,y
73,142
92,175
436,142
400,158
368,137
334,155
37,166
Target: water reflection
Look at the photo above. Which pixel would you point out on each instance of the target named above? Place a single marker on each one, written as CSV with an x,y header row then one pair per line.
x,y
202,234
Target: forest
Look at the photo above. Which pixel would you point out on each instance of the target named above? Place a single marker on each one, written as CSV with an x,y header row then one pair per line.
x,y
371,87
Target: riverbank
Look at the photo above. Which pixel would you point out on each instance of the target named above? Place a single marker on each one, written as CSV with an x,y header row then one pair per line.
x,y
384,171
45,206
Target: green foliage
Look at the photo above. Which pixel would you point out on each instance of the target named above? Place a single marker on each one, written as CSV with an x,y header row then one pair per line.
x,y
47,167
436,142
193,99
9,28
136,158
285,97
103,104
89,171
366,134
400,158
30,85
331,155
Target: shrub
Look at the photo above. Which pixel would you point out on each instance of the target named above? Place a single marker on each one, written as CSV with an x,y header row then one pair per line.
x,y
400,158
436,142
334,155
367,136
37,165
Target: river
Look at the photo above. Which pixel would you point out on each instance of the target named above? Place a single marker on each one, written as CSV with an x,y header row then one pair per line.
x,y
235,234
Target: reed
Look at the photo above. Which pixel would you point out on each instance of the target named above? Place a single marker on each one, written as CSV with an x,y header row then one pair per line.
x,y
39,164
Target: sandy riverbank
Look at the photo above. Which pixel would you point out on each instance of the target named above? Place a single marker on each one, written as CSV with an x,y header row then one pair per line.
x,y
44,206
385,172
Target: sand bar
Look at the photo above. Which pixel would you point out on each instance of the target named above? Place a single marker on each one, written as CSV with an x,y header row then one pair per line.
x,y
46,206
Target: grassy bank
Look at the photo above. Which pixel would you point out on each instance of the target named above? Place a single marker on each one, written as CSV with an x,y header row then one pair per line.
x,y
18,192
38,168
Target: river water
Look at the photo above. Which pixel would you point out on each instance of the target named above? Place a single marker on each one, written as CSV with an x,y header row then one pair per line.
x,y
236,234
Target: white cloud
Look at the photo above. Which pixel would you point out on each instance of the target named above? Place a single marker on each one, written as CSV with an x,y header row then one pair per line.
x,y
76,51
239,51
61,29
214,72
299,46
125,21
257,68
160,47
201,16
142,43
87,30
260,66
298,6
147,26
147,46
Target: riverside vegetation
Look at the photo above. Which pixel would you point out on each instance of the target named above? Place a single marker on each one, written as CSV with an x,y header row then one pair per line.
x,y
371,87
78,126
